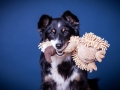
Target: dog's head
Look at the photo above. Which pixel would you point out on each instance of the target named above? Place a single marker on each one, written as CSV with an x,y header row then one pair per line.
x,y
58,30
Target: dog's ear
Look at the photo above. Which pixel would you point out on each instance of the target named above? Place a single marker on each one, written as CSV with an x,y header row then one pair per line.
x,y
44,21
67,15
71,18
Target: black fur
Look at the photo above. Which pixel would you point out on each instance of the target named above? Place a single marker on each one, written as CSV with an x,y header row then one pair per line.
x,y
66,68
49,85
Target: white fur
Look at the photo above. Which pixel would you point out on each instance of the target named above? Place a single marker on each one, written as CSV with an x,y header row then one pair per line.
x,y
59,24
62,84
54,42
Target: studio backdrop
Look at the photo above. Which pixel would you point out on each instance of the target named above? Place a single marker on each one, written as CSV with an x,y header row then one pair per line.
x,y
19,39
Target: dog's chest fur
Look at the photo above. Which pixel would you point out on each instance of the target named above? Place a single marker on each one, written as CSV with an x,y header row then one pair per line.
x,y
62,72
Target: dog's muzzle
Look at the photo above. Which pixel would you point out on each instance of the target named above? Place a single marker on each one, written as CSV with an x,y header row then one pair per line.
x,y
61,52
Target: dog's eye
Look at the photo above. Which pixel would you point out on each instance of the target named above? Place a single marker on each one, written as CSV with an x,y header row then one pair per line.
x,y
52,32
65,31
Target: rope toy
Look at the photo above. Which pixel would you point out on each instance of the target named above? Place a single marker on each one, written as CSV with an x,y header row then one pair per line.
x,y
85,50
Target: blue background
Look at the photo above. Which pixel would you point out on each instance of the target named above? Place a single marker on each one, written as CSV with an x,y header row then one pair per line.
x,y
19,38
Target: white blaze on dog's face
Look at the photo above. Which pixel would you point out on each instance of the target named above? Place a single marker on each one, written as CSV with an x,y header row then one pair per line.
x,y
59,24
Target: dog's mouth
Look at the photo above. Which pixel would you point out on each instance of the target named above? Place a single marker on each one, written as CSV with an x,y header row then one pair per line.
x,y
60,53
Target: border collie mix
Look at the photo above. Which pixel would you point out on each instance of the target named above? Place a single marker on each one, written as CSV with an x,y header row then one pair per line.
x,y
62,73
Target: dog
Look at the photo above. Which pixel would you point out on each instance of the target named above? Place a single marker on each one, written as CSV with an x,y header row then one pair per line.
x,y
62,73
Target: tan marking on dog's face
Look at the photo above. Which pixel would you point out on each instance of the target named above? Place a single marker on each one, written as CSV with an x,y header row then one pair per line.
x,y
63,29
77,78
53,30
47,78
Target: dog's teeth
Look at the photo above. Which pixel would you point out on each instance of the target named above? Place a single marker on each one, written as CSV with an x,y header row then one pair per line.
x,y
60,53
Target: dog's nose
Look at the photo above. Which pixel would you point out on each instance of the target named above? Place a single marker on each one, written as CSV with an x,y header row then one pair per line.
x,y
58,45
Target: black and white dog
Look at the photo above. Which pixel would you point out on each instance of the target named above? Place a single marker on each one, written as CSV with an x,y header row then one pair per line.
x,y
62,73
